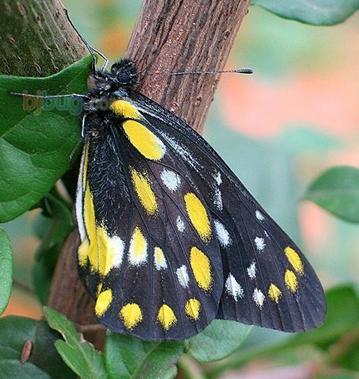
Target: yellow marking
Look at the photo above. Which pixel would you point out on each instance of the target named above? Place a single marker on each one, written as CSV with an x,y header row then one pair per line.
x,y
138,247
103,251
160,260
201,268
131,315
198,216
192,308
274,293
90,224
99,288
294,259
125,109
150,146
166,316
291,281
83,253
144,192
106,251
103,302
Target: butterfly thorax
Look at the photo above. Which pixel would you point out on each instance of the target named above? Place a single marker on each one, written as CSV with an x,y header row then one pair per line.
x,y
107,87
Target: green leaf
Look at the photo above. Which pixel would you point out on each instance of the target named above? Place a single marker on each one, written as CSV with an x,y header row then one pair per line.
x,y
350,358
43,360
220,339
5,270
58,219
130,357
78,354
337,191
315,12
36,137
342,317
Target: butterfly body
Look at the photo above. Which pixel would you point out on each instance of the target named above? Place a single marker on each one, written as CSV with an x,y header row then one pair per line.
x,y
170,238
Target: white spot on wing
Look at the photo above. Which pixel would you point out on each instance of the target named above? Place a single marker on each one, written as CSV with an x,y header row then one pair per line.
x,y
218,203
222,234
182,151
180,224
233,288
252,269
218,178
118,247
182,276
259,216
79,200
258,298
170,179
259,241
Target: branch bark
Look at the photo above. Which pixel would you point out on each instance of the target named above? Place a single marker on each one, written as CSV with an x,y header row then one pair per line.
x,y
36,38
170,36
184,35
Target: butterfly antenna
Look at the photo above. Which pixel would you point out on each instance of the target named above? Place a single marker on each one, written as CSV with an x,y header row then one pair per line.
x,y
91,49
234,71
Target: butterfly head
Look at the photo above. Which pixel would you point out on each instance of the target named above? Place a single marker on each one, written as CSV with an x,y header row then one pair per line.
x,y
121,77
124,73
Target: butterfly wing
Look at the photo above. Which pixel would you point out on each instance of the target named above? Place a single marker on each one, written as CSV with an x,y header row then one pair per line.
x,y
267,280
148,254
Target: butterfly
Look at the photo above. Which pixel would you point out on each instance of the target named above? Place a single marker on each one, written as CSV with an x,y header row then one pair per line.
x,y
170,237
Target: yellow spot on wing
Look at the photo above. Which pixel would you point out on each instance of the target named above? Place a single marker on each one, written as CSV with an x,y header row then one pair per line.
x,y
274,293
198,216
131,315
166,316
149,145
83,253
125,109
104,300
110,251
192,308
138,247
291,281
90,224
160,260
144,192
99,288
104,251
201,268
294,259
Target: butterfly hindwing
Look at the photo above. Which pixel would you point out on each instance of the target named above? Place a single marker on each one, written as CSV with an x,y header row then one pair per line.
x,y
267,280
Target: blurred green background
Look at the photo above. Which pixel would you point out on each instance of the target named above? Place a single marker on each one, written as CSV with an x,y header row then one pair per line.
x,y
277,129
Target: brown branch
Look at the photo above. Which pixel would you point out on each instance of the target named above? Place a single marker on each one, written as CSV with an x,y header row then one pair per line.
x,y
185,35
169,36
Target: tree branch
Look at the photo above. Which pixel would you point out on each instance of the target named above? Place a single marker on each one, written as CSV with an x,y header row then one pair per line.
x,y
36,38
184,35
170,36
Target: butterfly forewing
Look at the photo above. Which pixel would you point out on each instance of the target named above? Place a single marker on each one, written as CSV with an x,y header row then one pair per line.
x,y
267,280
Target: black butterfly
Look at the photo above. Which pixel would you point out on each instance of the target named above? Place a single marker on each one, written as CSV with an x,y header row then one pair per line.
x,y
171,239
